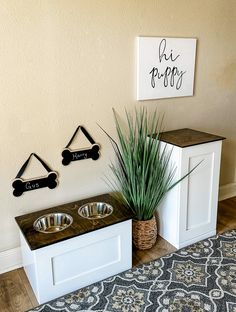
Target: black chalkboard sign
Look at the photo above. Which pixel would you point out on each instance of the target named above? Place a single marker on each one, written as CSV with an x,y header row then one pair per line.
x,y
20,186
83,153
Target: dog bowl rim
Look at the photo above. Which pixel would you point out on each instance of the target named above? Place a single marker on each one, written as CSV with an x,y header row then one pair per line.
x,y
51,214
100,217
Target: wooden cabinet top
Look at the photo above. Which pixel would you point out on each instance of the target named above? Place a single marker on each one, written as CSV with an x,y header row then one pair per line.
x,y
188,137
79,226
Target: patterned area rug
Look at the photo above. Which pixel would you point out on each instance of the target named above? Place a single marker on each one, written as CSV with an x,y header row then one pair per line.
x,y
198,278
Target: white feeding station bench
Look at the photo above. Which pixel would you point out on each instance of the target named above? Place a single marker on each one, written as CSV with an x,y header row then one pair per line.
x,y
68,248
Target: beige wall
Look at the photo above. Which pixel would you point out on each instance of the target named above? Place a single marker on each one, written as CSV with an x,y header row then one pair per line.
x,y
68,62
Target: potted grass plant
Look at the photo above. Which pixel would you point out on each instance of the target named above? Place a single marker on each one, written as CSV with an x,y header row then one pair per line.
x,y
142,171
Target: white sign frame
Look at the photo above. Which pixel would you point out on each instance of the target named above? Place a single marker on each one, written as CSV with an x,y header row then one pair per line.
x,y
165,67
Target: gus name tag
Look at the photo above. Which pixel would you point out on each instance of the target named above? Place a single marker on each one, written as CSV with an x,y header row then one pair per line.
x,y
20,186
24,185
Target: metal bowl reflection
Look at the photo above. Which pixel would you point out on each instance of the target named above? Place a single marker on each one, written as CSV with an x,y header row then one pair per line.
x,y
53,222
95,210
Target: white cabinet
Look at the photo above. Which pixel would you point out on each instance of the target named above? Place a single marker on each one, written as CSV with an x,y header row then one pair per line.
x,y
84,253
63,267
189,211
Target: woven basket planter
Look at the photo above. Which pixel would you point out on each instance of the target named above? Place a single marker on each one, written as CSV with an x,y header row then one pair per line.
x,y
144,233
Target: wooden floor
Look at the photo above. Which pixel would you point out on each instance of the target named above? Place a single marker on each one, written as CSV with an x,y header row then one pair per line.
x,y
16,294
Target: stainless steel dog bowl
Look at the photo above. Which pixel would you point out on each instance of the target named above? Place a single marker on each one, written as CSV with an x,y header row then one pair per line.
x,y
95,210
53,222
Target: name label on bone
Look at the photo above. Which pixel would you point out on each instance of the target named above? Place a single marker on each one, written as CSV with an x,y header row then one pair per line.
x,y
79,155
31,185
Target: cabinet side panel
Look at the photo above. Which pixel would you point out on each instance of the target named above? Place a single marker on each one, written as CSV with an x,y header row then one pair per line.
x,y
168,210
29,264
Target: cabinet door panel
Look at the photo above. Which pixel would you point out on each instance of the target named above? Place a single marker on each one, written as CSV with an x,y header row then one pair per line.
x,y
199,192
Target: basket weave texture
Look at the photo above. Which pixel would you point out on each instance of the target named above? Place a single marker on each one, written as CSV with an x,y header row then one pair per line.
x,y
144,233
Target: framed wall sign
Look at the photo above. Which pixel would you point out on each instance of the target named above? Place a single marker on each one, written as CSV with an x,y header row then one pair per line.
x,y
165,67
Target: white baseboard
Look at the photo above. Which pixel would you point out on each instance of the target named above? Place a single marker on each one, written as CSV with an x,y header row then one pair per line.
x,y
10,260
227,191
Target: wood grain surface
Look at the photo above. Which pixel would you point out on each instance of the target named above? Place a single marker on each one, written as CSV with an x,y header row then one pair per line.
x,y
188,137
13,292
79,226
